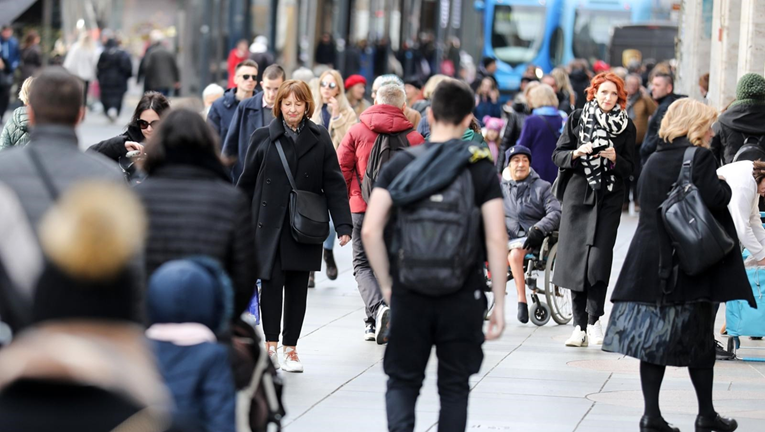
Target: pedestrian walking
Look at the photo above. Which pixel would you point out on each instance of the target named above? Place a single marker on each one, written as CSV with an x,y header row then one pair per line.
x,y
210,94
412,115
81,61
595,154
143,123
158,68
189,307
383,121
640,107
114,69
236,56
743,122
251,115
332,111
326,51
487,100
9,61
16,130
355,87
663,92
491,135
663,316
435,301
580,77
223,109
541,131
291,141
260,54
31,56
487,69
192,208
84,361
565,92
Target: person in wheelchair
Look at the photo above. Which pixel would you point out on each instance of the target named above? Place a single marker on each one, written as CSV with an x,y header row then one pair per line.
x,y
531,213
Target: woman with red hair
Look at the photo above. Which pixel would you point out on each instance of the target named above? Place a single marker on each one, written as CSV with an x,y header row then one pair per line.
x,y
595,154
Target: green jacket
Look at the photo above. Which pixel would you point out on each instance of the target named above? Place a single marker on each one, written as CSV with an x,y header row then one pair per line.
x,y
16,130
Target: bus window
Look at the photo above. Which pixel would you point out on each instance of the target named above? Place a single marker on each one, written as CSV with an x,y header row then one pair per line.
x,y
592,32
517,33
556,47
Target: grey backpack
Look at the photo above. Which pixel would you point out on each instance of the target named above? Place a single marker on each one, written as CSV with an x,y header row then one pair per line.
x,y
436,241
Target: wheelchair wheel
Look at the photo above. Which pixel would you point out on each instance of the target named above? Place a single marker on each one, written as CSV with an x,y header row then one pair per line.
x,y
558,298
539,313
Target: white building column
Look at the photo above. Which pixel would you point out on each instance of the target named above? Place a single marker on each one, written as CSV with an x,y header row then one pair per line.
x,y
694,46
751,53
723,73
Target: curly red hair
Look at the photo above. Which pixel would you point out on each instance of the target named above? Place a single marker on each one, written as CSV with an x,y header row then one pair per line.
x,y
608,76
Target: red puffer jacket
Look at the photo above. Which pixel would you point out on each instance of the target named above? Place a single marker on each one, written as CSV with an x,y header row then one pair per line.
x,y
355,148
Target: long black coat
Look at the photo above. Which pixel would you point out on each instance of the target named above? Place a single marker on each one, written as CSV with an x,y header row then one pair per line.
x,y
113,71
639,278
589,220
314,165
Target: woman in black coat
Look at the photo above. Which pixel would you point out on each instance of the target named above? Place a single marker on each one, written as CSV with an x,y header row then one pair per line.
x,y
282,263
193,209
595,153
669,321
113,71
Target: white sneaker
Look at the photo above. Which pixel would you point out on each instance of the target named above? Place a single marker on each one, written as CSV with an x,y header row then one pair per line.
x,y
578,338
274,356
595,333
291,361
381,324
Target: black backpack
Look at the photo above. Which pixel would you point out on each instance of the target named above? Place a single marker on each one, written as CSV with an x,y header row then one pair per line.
x,y
385,147
752,149
436,241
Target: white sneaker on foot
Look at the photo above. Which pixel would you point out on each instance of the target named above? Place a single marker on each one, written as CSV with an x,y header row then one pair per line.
x,y
381,324
274,356
595,333
291,361
578,338
369,332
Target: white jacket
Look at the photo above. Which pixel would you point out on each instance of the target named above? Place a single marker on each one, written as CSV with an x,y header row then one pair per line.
x,y
744,208
82,62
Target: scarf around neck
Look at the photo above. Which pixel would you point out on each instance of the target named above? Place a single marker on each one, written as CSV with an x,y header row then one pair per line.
x,y
598,128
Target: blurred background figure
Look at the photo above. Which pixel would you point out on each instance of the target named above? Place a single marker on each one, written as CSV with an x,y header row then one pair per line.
x,y
16,130
326,51
237,55
704,85
81,61
114,69
210,94
158,68
9,61
260,54
303,74
31,55
355,87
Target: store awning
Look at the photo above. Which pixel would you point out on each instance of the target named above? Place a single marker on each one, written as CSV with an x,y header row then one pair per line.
x,y
12,9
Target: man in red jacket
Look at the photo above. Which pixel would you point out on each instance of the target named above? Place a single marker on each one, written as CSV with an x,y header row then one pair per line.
x,y
385,117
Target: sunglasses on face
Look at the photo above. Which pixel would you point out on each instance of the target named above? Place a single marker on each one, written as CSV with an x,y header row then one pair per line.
x,y
143,124
249,77
329,85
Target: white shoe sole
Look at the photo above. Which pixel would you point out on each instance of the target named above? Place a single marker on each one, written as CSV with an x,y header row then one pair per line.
x,y
577,344
369,337
382,328
292,369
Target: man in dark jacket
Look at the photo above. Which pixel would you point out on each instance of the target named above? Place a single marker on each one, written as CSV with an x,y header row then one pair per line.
x,y
223,109
251,115
662,92
158,67
385,117
743,120
9,61
113,71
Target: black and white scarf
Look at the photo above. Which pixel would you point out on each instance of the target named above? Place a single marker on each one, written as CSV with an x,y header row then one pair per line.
x,y
598,127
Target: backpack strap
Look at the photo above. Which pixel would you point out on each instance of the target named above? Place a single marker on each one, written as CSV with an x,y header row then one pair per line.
x,y
43,172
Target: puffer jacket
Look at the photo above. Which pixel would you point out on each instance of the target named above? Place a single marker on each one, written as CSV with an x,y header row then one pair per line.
x,y
736,123
16,131
529,203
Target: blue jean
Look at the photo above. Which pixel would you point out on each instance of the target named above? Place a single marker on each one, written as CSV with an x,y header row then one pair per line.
x,y
329,243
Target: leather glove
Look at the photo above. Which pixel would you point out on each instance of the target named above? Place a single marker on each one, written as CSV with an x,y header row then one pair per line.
x,y
534,239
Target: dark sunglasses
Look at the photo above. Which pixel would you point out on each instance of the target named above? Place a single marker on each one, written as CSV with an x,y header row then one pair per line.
x,y
249,77
143,124
331,85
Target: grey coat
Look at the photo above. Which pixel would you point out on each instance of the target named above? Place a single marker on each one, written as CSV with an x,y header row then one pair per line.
x,y
529,202
16,130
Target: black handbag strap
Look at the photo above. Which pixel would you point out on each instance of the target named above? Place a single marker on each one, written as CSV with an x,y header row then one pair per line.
x,y
549,126
285,164
686,171
44,176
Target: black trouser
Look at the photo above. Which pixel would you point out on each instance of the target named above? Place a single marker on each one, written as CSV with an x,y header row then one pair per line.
x,y
365,277
588,305
5,96
454,324
291,287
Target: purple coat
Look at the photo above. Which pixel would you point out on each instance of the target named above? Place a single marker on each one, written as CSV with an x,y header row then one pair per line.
x,y
540,134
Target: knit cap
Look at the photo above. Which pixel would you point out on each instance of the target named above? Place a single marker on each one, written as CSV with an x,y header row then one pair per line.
x,y
750,89
493,123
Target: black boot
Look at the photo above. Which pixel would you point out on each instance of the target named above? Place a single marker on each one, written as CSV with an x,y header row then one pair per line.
x,y
656,424
329,258
523,312
717,423
311,282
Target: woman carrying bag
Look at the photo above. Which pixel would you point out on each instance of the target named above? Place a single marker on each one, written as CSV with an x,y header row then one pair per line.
x,y
284,250
670,322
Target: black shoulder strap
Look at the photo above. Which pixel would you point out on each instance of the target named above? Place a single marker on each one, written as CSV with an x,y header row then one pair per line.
x,y
549,126
285,164
44,176
686,170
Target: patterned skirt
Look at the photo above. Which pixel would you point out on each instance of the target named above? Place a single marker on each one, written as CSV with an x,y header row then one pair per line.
x,y
674,335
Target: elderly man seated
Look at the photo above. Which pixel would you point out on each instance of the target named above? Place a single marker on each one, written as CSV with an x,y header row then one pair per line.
x,y
531,213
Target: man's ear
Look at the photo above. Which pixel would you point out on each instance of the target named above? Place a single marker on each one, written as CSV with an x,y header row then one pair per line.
x,y
31,115
81,117
403,108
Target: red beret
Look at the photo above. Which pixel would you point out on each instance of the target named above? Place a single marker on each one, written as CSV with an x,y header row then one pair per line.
x,y
353,80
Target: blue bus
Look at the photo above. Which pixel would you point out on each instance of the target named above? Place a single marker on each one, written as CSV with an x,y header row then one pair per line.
x,y
548,33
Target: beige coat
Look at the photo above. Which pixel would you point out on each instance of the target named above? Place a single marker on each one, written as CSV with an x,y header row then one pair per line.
x,y
338,127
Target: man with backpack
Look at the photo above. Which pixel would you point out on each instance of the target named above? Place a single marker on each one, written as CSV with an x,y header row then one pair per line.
x,y
434,217
382,131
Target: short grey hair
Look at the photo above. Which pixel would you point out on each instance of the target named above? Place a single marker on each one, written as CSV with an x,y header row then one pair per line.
x,y
303,74
212,90
391,94
387,79
634,76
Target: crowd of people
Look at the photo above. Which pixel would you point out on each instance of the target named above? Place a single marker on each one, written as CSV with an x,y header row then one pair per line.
x,y
229,214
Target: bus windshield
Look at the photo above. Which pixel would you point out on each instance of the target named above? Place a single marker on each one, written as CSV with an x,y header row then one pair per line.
x,y
517,33
592,32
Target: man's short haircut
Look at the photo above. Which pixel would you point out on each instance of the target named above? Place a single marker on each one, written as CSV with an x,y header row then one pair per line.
x,y
274,72
488,61
452,101
246,63
634,76
391,94
667,77
212,90
56,97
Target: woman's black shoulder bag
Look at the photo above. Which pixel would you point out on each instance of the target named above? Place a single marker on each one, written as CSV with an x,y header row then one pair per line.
x,y
698,239
309,218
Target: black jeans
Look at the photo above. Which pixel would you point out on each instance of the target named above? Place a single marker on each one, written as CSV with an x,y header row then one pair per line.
x,y
590,302
454,324
365,277
290,287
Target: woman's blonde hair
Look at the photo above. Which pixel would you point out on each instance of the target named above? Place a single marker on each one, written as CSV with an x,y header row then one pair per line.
x,y
542,96
561,78
26,86
687,117
527,91
430,86
342,102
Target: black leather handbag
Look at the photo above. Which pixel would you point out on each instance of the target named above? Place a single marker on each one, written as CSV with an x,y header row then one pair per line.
x,y
699,241
309,218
